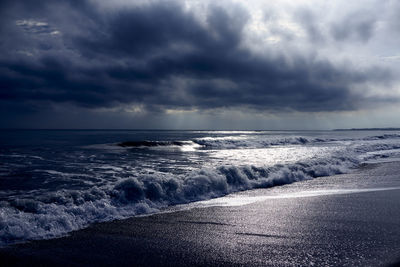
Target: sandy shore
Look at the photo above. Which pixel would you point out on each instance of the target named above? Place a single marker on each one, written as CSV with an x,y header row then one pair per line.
x,y
282,227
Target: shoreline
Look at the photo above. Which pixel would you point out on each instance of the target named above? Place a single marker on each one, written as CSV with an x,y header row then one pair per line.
x,y
358,229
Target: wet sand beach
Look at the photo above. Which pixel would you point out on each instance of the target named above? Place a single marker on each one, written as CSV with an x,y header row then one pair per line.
x,y
335,221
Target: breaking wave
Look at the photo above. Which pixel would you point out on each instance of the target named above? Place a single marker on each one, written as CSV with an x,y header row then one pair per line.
x,y
58,213
225,142
178,145
244,141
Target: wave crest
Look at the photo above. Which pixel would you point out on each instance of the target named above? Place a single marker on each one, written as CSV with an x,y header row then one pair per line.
x,y
68,210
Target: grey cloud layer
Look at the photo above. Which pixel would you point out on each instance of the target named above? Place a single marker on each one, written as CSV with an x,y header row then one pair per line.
x,y
162,57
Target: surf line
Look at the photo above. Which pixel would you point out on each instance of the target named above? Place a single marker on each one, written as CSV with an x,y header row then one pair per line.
x,y
239,200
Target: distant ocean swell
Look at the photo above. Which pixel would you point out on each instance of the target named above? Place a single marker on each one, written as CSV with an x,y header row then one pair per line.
x,y
253,142
226,142
245,141
60,212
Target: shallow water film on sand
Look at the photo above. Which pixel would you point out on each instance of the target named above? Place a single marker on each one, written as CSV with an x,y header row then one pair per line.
x,y
53,182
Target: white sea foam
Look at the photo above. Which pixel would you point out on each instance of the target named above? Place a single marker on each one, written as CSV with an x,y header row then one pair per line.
x,y
243,141
60,212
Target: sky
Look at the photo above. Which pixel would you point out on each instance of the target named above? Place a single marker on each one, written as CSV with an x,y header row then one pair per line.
x,y
198,64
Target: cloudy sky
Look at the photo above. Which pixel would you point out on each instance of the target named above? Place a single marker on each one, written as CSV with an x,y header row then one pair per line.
x,y
198,64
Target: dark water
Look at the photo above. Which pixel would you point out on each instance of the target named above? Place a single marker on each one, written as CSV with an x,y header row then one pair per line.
x,y
53,182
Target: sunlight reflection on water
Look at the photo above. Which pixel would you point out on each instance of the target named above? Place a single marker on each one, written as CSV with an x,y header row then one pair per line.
x,y
267,156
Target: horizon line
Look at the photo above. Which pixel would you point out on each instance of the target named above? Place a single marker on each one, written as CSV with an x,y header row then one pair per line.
x,y
155,129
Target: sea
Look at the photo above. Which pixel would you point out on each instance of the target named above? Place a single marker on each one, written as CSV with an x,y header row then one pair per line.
x,y
53,182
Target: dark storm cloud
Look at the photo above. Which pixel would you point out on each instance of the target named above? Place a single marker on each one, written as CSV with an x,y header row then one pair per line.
x,y
162,57
358,26
354,26
309,21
